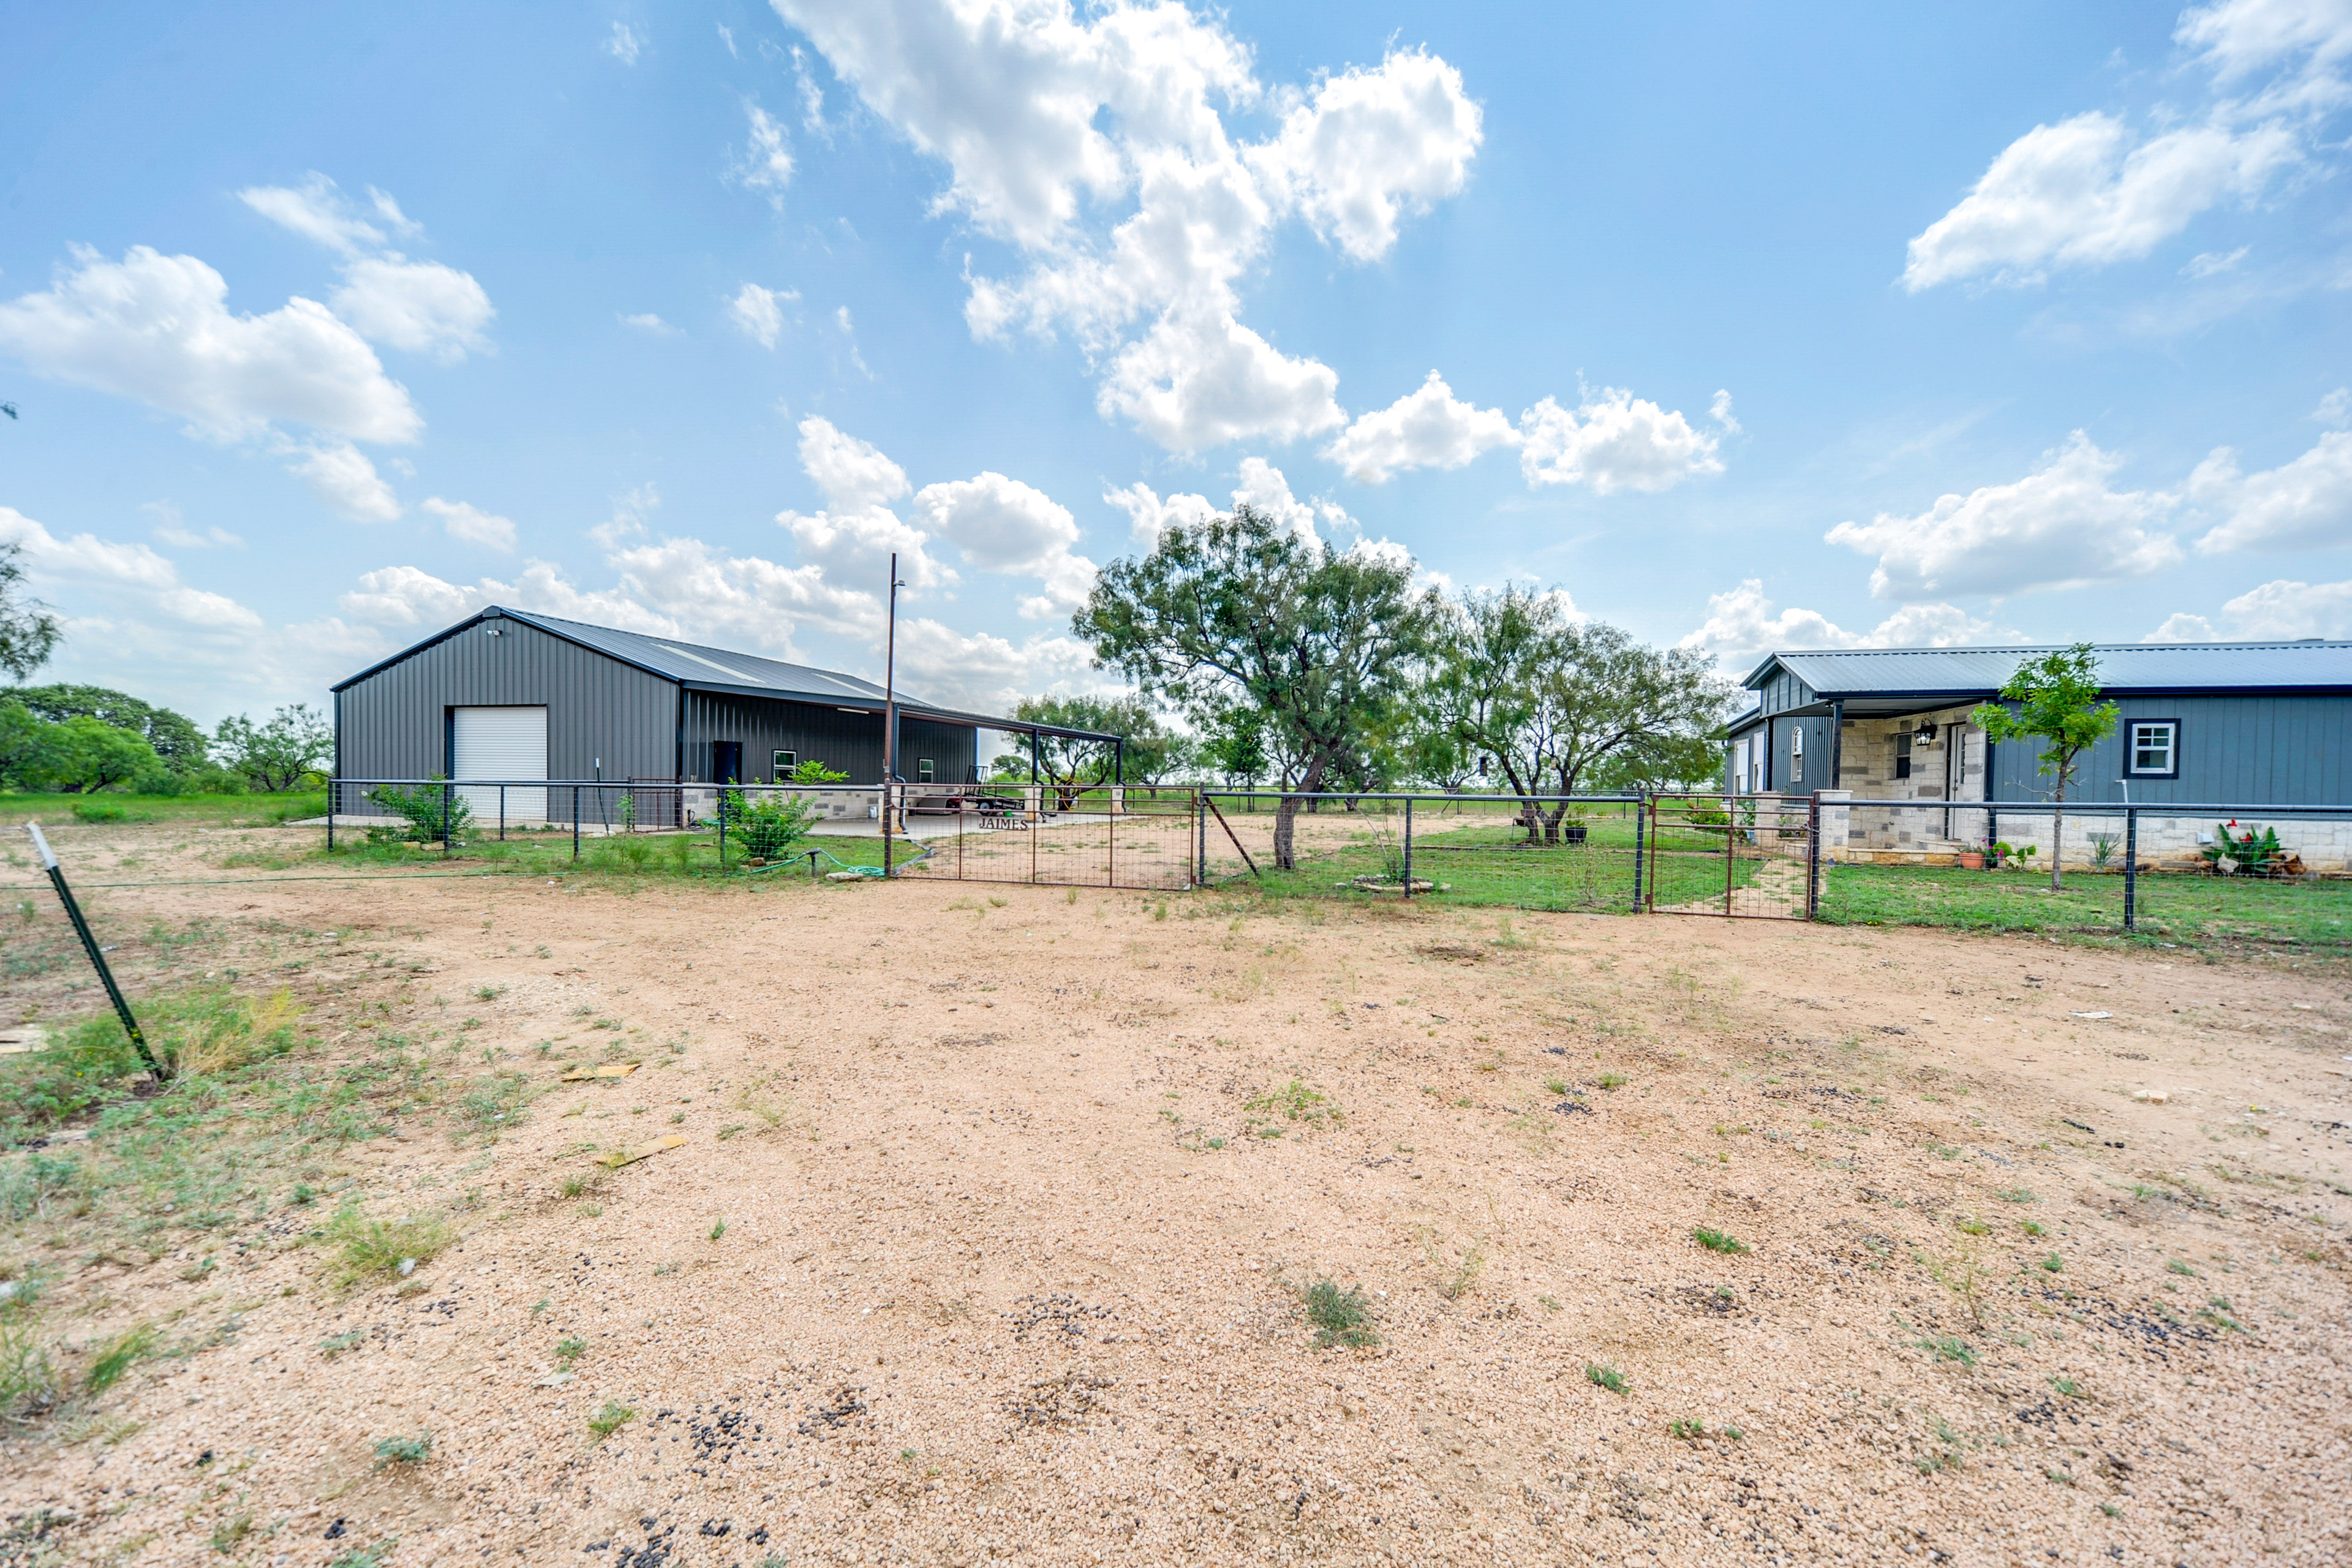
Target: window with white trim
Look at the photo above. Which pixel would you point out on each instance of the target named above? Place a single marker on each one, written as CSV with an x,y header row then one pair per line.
x,y
2153,748
1797,755
784,763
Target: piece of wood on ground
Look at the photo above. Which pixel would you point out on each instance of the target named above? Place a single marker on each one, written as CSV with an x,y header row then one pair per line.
x,y
620,1157
23,1040
610,1069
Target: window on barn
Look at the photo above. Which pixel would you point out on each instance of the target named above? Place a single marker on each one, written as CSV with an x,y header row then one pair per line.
x,y
1797,755
2154,747
785,762
924,772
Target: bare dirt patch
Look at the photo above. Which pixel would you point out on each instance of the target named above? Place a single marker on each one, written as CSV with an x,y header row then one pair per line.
x,y
992,1227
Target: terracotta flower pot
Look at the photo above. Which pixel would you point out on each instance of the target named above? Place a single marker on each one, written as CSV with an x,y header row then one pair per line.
x,y
1971,860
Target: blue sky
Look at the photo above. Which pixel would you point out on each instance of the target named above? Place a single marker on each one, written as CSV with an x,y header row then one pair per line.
x,y
1794,328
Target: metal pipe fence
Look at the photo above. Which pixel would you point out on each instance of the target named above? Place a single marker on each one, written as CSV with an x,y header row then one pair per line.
x,y
2269,872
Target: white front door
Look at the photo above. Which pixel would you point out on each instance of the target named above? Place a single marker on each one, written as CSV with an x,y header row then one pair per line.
x,y
501,744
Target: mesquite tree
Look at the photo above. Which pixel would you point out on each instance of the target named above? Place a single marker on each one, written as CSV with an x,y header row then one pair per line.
x,y
1553,699
2057,703
1239,615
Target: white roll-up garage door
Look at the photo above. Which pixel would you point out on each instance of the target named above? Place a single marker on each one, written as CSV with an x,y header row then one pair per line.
x,y
503,744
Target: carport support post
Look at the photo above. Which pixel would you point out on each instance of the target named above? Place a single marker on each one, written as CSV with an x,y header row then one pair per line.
x,y
2131,868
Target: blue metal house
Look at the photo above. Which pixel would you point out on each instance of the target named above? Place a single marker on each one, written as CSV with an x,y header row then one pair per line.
x,y
2267,722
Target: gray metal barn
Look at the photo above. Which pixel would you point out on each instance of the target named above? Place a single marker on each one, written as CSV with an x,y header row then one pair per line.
x,y
510,695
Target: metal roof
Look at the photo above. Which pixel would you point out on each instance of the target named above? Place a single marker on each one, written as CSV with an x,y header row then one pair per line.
x,y
2123,667
708,669
698,664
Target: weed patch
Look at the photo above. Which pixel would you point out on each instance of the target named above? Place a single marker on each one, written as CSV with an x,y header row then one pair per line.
x,y
370,1249
1339,1317
1718,1241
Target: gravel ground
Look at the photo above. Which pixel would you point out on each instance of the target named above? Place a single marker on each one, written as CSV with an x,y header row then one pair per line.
x,y
1021,1190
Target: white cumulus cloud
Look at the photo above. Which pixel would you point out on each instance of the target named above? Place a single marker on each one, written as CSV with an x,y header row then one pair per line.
x,y
2306,502
624,44
2083,193
471,524
135,622
341,475
1429,428
318,210
419,306
767,164
1742,626
1096,143
157,329
1001,525
2061,526
1149,515
2089,190
1613,441
2278,610
759,312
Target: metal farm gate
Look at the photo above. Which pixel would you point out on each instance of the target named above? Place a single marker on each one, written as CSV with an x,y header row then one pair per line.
x,y
1757,857
1106,837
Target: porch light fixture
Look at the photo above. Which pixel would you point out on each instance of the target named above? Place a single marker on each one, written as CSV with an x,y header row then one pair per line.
x,y
1926,735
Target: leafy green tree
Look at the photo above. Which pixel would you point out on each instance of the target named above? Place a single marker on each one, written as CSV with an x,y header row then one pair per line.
x,y
1073,764
85,754
28,632
2054,699
1234,747
1555,700
175,737
278,755
1239,615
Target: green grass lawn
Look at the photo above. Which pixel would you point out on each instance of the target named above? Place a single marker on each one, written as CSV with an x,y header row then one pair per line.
x,y
2181,906
638,855
191,810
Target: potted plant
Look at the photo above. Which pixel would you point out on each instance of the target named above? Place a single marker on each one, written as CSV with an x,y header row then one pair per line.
x,y
1972,859
1571,831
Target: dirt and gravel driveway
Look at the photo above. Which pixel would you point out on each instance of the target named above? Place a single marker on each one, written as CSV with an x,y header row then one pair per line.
x,y
988,1235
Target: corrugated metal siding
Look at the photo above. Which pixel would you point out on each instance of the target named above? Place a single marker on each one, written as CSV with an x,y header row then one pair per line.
x,y
847,742
395,723
2261,751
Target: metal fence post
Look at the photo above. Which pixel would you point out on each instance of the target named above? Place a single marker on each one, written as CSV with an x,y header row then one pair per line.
x,y
448,828
575,823
1814,858
1641,810
332,792
502,814
2131,868
96,953
1408,846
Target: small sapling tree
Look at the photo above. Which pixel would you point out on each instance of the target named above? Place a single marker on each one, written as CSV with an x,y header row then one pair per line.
x,y
2057,703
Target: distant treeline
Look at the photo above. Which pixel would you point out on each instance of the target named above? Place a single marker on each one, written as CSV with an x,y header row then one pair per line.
x,y
78,739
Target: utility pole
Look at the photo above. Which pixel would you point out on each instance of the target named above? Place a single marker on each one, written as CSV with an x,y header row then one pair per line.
x,y
890,711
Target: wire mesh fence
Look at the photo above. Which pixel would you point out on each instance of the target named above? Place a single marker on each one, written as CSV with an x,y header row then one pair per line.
x,y
2268,873
1552,852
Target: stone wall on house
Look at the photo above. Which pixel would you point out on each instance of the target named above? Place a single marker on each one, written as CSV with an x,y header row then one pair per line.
x,y
2166,843
1949,768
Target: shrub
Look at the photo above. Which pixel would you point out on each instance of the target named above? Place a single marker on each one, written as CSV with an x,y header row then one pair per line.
x,y
431,811
769,827
1718,1241
1600,1374
28,1386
